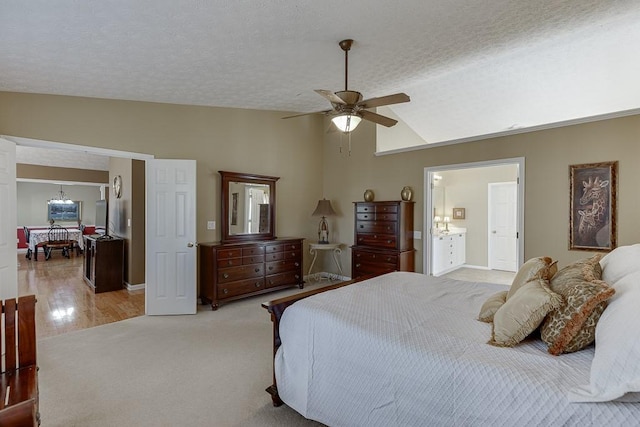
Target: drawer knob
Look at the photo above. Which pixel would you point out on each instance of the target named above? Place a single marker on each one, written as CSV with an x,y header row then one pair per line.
x,y
389,259
361,226
293,254
226,276
357,265
389,241
257,284
229,262
271,282
297,277
270,267
257,270
225,291
297,264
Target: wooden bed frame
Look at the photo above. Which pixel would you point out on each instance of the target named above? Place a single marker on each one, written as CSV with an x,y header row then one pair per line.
x,y
277,307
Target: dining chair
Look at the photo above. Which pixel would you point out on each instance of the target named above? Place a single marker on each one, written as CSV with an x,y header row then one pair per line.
x,y
27,236
58,239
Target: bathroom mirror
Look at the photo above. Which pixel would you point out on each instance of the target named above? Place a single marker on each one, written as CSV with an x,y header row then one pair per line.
x,y
248,206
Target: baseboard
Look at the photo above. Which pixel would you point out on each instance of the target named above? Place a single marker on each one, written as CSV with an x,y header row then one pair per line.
x,y
137,287
477,267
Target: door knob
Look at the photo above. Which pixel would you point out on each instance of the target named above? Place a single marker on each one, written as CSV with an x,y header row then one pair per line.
x,y
190,244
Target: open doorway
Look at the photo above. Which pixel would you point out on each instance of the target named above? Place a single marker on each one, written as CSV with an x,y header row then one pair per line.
x,y
457,214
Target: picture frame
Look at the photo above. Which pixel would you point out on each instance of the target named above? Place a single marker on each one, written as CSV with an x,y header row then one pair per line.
x,y
62,212
593,190
458,213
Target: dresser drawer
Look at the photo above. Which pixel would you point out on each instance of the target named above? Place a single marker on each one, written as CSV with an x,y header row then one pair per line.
x,y
281,266
253,259
229,262
269,249
382,227
376,240
386,208
374,257
274,256
365,208
292,254
252,251
229,253
288,278
293,246
364,269
232,289
233,274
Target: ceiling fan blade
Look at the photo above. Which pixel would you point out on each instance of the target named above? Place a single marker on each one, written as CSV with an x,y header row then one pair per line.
x,y
332,97
396,98
306,114
377,118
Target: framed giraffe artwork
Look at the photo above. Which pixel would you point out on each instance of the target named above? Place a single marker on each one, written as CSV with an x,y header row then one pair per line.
x,y
593,190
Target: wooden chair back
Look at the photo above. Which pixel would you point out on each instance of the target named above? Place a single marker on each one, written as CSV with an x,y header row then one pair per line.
x,y
18,333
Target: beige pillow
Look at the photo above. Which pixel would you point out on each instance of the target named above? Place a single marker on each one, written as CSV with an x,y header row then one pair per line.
x,y
535,268
491,305
523,313
572,326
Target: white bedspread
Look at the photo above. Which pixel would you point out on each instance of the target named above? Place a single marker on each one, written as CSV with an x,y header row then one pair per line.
x,y
405,349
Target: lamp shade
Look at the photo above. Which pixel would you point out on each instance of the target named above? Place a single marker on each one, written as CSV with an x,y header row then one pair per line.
x,y
346,122
324,208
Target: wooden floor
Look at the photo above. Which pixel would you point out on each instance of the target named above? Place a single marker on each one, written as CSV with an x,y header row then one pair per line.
x,y
65,302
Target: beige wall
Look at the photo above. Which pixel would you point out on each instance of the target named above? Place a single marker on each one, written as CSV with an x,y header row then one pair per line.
x,y
259,142
547,154
49,173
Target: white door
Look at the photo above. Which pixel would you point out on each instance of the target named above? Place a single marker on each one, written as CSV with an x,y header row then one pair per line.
x,y
171,286
503,241
8,222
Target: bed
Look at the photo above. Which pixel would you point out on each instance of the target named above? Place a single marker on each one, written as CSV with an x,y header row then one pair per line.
x,y
407,349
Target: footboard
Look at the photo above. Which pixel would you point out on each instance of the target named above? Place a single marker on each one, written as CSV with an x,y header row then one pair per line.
x,y
277,308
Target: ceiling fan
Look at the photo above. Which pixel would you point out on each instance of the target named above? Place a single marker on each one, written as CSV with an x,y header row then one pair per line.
x,y
348,106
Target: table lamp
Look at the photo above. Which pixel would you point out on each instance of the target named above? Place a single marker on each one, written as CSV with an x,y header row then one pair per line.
x,y
323,209
446,221
437,220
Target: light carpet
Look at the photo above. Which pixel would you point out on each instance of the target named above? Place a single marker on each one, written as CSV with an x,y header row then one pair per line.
x,y
208,369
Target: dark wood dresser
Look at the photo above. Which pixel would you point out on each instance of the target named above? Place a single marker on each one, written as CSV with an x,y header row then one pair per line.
x,y
230,271
383,238
104,263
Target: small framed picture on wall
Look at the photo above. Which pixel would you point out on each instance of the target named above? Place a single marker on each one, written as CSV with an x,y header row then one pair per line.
x,y
458,213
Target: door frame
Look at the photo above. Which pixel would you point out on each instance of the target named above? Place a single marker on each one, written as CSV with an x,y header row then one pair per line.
x,y
39,143
429,172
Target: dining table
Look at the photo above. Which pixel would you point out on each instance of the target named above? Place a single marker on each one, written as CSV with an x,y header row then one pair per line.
x,y
38,237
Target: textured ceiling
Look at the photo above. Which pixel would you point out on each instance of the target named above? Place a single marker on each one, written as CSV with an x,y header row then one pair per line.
x,y
471,67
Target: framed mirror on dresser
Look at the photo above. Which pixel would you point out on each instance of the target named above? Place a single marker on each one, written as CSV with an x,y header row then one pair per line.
x,y
249,260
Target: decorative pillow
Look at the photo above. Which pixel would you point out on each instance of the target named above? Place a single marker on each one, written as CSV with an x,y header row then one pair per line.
x,y
572,326
491,305
619,263
523,313
615,371
535,268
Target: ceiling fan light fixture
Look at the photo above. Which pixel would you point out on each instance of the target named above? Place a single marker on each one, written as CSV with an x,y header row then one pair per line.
x,y
346,122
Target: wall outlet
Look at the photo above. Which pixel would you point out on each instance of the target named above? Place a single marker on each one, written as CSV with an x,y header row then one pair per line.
x,y
211,225
417,234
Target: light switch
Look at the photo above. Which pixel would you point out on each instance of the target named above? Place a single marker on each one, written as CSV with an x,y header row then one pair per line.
x,y
128,222
211,225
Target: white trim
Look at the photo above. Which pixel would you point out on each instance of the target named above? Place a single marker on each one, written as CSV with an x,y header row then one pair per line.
x,y
48,181
476,267
428,220
129,287
40,143
545,126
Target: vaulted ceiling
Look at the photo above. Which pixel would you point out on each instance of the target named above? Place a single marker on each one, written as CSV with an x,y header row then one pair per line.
x,y
472,68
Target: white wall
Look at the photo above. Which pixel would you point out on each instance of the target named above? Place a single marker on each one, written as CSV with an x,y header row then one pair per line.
x,y
32,202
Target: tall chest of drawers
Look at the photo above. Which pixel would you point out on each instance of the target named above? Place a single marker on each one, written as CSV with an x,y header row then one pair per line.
x,y
383,238
233,271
